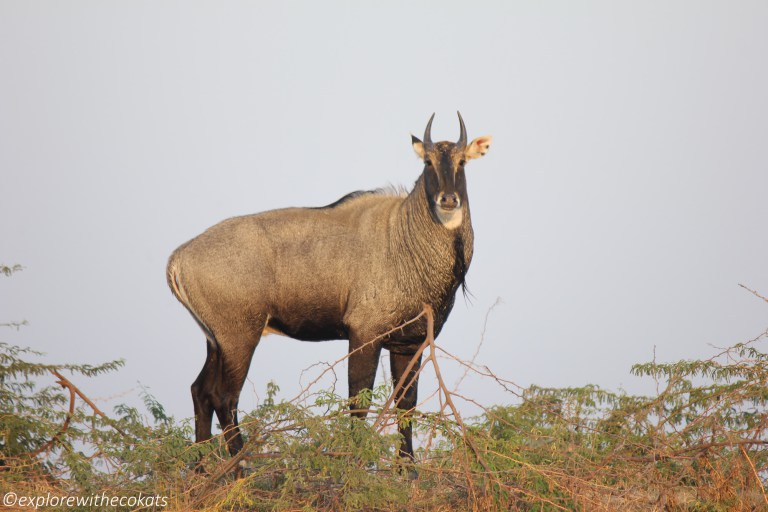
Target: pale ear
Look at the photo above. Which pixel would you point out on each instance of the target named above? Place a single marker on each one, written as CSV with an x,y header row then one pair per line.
x,y
478,147
418,147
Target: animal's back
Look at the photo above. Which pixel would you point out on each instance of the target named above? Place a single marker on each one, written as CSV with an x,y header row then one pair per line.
x,y
297,265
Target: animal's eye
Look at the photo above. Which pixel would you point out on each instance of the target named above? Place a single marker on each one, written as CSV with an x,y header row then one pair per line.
x,y
428,162
462,162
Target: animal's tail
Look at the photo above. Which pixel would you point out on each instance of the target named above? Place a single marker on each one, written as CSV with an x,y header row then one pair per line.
x,y
173,275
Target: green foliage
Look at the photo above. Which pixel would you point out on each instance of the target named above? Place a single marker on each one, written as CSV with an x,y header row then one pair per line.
x,y
53,435
8,270
698,444
5,270
326,461
31,415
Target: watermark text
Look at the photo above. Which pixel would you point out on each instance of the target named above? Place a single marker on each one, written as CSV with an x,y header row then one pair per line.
x,y
99,501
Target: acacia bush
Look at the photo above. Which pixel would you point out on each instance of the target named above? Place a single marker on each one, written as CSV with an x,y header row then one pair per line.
x,y
699,444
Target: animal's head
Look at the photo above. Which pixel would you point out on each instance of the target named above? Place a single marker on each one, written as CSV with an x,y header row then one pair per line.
x,y
444,179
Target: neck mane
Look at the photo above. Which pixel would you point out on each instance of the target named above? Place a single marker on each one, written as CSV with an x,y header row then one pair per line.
x,y
436,258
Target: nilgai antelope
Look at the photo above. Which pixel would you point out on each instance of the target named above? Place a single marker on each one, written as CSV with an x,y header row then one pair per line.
x,y
354,270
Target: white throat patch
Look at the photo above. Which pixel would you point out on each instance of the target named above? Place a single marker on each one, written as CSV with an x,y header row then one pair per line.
x,y
450,219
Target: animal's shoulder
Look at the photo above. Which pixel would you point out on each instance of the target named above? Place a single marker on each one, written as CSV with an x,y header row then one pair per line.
x,y
379,194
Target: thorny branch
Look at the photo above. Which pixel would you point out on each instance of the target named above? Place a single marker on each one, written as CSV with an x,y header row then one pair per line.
x,y
567,458
477,456
753,292
74,392
64,382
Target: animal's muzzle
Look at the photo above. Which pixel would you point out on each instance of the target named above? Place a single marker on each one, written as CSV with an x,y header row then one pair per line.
x,y
449,201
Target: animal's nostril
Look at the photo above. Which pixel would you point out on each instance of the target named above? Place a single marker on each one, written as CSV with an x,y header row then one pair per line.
x,y
449,201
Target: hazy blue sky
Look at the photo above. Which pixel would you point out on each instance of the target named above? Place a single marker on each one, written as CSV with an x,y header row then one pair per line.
x,y
623,200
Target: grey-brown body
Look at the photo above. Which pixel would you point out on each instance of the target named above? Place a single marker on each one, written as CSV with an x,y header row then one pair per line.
x,y
353,270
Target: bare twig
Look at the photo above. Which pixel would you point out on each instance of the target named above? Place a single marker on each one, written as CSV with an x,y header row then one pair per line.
x,y
471,363
74,392
67,383
754,472
349,354
14,325
65,425
753,292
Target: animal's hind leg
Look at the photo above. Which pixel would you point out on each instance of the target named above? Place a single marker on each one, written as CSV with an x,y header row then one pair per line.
x,y
201,390
236,350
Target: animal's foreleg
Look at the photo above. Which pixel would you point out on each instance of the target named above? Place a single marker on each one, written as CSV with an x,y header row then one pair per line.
x,y
363,360
406,397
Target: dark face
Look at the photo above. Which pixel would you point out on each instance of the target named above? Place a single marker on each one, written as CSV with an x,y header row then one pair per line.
x,y
444,178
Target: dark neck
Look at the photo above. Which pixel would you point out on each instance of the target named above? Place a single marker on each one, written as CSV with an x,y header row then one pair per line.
x,y
432,258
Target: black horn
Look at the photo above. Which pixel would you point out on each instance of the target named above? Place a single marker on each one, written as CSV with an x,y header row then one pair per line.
x,y
428,132
462,142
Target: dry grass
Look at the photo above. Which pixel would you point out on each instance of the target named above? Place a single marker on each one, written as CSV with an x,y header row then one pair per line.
x,y
698,445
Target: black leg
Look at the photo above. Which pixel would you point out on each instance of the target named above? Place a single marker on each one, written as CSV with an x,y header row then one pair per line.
x,y
217,388
201,399
405,400
361,370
